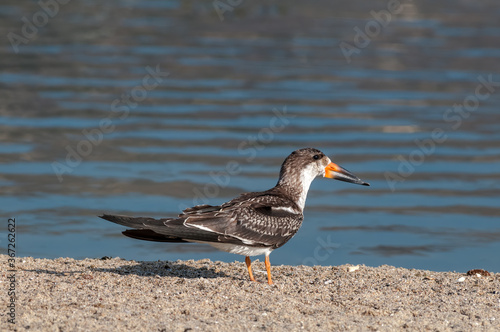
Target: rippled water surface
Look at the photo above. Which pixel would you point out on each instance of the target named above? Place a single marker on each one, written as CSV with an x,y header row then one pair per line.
x,y
147,107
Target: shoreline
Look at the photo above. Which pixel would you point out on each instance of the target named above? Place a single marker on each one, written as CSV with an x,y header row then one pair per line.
x,y
112,294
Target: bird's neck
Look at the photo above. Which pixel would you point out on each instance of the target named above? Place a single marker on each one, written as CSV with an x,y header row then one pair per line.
x,y
295,185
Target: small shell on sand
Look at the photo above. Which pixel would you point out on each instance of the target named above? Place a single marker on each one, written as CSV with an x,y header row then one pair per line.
x,y
352,268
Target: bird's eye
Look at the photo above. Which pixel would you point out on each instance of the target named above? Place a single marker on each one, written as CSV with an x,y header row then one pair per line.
x,y
316,157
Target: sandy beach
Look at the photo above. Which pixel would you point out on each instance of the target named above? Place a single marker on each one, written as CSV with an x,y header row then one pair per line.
x,y
65,294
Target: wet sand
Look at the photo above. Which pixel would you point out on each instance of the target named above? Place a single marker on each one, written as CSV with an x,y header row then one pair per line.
x,y
115,294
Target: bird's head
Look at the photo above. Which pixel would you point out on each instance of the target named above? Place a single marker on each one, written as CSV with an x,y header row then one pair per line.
x,y
312,162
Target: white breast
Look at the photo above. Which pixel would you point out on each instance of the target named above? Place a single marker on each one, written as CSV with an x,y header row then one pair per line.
x,y
239,249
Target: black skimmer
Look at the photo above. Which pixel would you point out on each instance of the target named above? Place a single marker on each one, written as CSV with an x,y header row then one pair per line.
x,y
251,224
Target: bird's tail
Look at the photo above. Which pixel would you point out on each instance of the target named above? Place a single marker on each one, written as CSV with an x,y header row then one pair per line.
x,y
143,228
161,230
134,222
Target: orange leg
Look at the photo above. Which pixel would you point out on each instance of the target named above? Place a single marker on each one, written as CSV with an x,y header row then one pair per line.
x,y
249,266
268,268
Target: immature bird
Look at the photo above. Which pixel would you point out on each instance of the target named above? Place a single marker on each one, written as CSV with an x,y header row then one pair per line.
x,y
251,224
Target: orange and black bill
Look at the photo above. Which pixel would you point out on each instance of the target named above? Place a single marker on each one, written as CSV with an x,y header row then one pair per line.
x,y
334,171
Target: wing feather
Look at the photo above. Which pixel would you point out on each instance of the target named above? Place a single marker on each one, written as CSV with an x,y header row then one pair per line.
x,y
255,219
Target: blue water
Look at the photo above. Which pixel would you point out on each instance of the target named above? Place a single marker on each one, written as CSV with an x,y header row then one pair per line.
x,y
249,90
